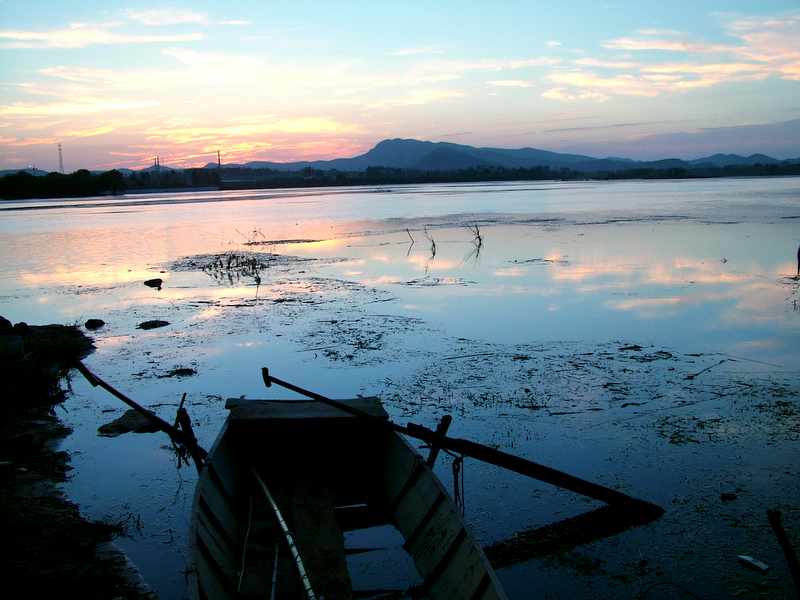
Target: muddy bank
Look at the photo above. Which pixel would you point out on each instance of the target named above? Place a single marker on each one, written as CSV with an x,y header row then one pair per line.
x,y
56,551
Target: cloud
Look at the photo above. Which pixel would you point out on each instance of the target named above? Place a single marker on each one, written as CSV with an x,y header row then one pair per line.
x,y
552,43
17,142
91,132
606,64
252,126
419,98
79,35
655,43
418,50
158,17
456,68
518,83
560,93
611,126
775,42
781,140
453,134
663,32
767,47
624,85
85,106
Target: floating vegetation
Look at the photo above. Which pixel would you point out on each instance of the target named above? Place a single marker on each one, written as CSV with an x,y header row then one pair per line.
x,y
154,324
279,242
436,281
793,299
232,267
179,372
235,266
540,261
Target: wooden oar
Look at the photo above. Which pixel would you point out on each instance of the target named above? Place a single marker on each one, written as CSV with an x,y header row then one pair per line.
x,y
484,453
184,436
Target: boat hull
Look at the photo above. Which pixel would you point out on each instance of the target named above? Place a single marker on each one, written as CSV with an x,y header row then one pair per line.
x,y
328,472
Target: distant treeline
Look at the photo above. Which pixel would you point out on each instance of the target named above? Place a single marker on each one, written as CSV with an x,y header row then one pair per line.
x,y
84,183
59,185
243,178
23,185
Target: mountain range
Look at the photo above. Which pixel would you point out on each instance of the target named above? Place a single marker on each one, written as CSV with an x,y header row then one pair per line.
x,y
446,156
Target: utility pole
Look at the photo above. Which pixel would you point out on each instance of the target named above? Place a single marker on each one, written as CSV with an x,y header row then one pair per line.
x,y
60,160
219,160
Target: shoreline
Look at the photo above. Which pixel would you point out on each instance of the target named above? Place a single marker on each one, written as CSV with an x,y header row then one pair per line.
x,y
56,550
445,177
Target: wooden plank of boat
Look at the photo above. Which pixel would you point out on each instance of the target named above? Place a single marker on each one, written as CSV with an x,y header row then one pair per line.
x,y
287,410
319,538
314,478
449,560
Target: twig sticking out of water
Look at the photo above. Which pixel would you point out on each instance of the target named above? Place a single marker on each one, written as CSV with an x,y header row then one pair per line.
x,y
798,263
477,241
693,375
476,233
432,241
252,238
433,251
180,451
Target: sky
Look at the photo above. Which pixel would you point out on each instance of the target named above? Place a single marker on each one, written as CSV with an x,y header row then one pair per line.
x,y
117,83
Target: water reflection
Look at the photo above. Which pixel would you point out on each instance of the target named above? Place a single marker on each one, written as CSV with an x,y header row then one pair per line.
x,y
396,280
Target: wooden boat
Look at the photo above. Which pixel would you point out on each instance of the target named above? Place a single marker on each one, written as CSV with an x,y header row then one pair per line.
x,y
286,479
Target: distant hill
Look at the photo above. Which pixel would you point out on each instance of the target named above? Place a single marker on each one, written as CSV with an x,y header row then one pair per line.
x,y
30,171
446,156
726,160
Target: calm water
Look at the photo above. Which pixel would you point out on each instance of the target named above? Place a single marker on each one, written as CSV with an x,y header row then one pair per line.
x,y
564,274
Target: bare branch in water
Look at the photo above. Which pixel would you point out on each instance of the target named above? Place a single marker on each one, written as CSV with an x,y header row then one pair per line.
x,y
432,241
476,234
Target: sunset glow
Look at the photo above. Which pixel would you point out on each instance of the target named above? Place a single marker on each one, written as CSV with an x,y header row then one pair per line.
x,y
118,83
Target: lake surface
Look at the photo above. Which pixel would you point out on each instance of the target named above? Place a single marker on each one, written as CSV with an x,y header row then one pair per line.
x,y
645,335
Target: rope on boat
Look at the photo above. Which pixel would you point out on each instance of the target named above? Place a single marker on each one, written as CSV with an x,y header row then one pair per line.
x,y
275,571
459,498
244,546
298,561
458,484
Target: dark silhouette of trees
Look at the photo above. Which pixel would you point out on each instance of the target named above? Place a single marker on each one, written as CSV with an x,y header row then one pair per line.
x,y
84,183
58,185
